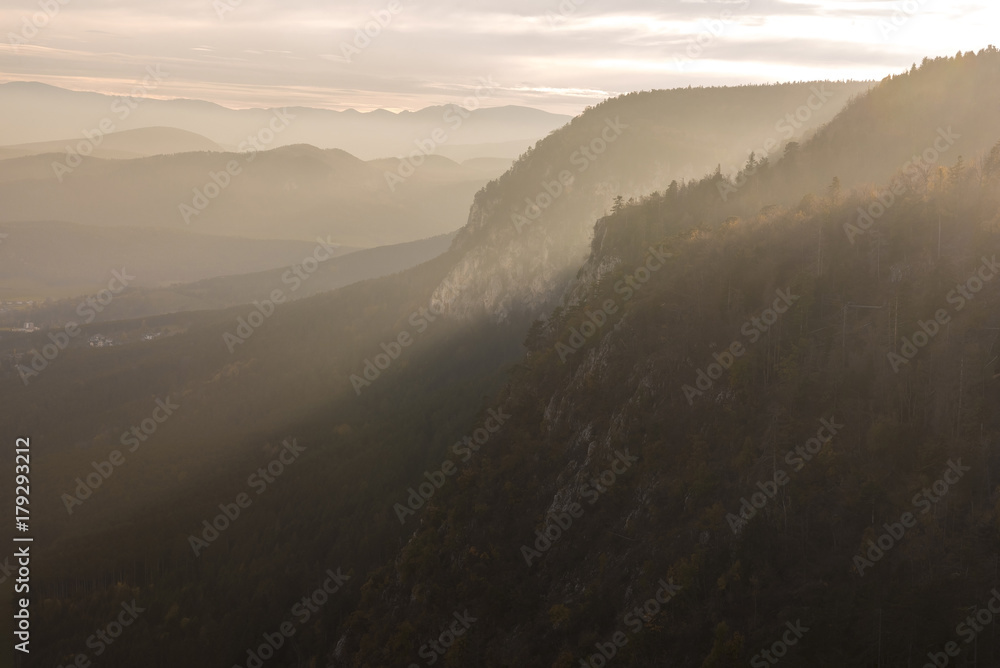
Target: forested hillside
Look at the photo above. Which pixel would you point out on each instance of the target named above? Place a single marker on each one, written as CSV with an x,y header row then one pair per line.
x,y
690,459
633,368
528,230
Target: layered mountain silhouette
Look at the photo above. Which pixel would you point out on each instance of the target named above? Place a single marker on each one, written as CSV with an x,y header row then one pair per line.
x,y
38,112
680,322
292,192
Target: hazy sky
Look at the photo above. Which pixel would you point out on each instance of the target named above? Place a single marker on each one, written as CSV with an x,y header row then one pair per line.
x,y
559,55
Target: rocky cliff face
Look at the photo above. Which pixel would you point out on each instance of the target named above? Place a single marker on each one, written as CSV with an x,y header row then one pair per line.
x,y
529,232
507,273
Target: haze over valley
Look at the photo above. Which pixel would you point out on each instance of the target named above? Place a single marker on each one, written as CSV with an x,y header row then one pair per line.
x,y
495,335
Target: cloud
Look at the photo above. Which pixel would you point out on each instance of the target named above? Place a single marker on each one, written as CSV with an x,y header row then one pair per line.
x,y
556,54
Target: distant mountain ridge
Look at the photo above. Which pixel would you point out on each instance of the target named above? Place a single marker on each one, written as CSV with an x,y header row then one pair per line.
x,y
148,295
291,192
36,112
139,143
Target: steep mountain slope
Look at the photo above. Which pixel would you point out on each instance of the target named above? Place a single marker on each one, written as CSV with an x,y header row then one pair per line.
x,y
714,446
293,192
525,238
529,231
914,123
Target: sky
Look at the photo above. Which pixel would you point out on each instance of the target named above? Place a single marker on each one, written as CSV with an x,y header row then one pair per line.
x,y
557,55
